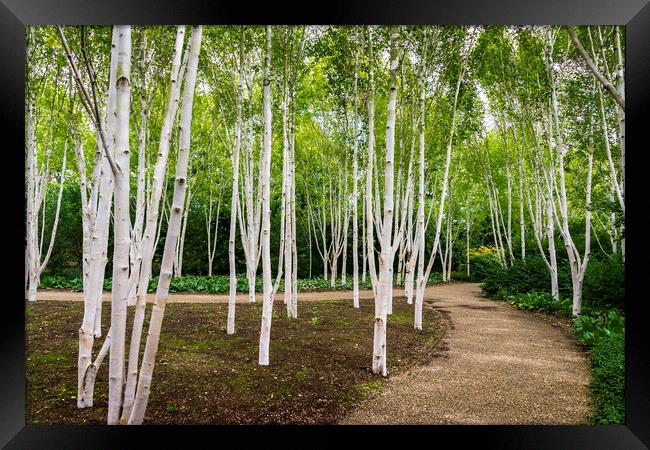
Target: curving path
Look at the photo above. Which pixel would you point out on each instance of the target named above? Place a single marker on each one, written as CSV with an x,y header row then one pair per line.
x,y
495,365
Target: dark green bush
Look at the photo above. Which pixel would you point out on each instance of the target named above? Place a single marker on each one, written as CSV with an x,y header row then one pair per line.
x,y
460,276
434,278
54,282
481,266
61,282
608,379
522,277
527,275
605,283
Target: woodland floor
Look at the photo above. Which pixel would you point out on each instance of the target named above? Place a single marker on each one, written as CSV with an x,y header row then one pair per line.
x,y
476,362
320,362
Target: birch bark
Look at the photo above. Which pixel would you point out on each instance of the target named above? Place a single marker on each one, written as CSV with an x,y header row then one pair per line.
x,y
121,226
265,174
149,240
155,324
386,258
98,220
355,189
422,278
230,327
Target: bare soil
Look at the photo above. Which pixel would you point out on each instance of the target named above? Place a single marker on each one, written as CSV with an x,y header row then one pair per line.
x,y
319,371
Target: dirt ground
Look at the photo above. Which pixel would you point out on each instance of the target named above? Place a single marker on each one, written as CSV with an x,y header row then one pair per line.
x,y
319,371
494,365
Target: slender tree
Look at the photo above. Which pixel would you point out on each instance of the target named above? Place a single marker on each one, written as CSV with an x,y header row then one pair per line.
x,y
173,229
265,173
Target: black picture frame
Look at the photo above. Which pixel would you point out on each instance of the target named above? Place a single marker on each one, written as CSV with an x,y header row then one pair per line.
x,y
635,14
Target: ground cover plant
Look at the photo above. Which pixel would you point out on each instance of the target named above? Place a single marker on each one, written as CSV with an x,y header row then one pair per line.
x,y
216,284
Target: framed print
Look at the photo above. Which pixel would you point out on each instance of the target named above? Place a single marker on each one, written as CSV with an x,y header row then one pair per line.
x,y
363,219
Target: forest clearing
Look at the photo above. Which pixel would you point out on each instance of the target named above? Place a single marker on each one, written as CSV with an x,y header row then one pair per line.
x,y
287,224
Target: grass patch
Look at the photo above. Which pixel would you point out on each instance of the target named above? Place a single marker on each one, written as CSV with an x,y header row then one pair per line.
x,y
370,387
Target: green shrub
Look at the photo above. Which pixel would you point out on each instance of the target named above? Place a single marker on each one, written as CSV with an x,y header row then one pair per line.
x,y
460,276
61,282
608,379
482,265
542,302
605,282
598,325
527,275
434,278
54,282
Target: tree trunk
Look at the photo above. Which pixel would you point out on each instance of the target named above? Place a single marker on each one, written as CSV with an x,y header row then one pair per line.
x,y
230,329
173,229
121,226
370,239
149,241
98,242
423,277
265,174
386,258
355,190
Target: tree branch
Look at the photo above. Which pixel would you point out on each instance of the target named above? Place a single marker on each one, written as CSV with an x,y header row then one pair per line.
x,y
592,67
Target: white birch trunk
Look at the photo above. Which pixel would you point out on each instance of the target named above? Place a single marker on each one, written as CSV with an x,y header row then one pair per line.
x,y
422,278
370,239
230,327
386,259
265,174
418,248
98,220
155,324
149,239
121,227
355,191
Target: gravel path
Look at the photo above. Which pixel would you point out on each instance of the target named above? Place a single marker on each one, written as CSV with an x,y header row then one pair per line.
x,y
495,365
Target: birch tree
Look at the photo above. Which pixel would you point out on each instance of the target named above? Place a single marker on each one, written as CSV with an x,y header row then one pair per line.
x,y
152,227
385,281
576,263
235,193
422,278
121,225
173,229
38,179
355,189
265,173
97,209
